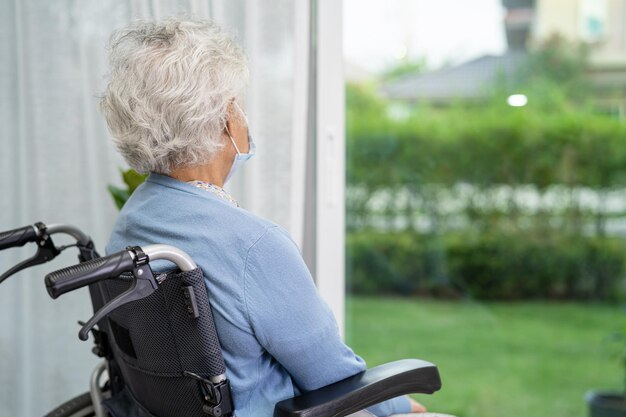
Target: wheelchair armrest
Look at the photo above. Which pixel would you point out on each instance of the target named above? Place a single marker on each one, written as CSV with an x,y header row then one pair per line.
x,y
363,390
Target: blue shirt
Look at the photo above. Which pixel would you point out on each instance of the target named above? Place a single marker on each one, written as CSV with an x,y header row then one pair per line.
x,y
278,337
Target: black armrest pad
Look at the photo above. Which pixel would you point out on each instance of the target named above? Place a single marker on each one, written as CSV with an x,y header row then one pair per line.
x,y
362,390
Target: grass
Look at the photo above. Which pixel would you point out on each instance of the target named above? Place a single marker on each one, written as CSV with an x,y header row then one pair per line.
x,y
496,359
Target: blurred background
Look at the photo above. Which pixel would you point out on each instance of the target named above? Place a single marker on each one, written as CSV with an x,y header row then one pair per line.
x,y
453,171
485,199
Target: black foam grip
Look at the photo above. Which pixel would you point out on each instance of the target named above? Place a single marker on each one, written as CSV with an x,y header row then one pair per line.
x,y
86,273
17,237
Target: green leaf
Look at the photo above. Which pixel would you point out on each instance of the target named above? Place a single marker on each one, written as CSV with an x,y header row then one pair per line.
x,y
119,195
133,179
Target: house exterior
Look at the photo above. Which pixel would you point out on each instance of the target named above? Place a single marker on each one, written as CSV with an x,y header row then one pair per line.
x,y
601,24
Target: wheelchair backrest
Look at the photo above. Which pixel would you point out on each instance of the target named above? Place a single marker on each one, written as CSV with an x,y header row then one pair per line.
x,y
166,344
156,332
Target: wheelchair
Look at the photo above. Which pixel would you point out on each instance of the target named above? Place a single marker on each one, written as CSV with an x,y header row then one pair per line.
x,y
160,349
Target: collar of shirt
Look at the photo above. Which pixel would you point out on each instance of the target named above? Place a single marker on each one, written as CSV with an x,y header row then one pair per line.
x,y
218,191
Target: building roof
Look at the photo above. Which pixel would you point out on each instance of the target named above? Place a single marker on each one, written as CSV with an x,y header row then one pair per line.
x,y
467,81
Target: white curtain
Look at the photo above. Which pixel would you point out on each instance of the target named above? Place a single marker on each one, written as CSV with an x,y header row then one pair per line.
x,y
56,159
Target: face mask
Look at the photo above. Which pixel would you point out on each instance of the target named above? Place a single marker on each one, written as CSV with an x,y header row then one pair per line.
x,y
240,158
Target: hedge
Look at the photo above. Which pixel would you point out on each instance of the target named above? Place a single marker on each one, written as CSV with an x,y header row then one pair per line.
x,y
434,150
504,266
487,147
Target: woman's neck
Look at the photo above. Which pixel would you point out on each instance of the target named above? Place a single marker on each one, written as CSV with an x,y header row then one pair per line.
x,y
214,173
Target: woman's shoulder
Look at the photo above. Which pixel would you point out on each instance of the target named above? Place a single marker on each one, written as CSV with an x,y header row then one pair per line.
x,y
195,212
264,233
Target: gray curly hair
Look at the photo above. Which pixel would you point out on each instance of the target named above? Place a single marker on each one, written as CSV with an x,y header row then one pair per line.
x,y
170,86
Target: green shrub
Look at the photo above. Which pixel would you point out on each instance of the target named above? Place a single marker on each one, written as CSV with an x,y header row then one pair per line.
x,y
389,263
486,266
506,266
435,151
488,146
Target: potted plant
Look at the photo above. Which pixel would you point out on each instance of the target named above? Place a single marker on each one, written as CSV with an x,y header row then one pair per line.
x,y
610,403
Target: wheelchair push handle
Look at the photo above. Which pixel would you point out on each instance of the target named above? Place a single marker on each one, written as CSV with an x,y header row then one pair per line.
x,y
18,237
80,275
134,260
86,273
41,235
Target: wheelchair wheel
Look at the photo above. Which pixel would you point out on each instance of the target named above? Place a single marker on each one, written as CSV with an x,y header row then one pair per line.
x,y
80,406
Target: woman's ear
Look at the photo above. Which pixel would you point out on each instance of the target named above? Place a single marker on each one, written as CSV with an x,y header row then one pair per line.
x,y
233,120
237,127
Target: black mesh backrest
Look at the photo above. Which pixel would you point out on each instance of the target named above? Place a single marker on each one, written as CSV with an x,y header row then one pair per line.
x,y
157,339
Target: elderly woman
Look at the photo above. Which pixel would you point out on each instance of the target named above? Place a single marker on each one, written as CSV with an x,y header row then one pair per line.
x,y
173,106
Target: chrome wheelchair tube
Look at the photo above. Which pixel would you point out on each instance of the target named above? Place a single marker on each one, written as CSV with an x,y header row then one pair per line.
x,y
75,232
172,254
218,378
96,391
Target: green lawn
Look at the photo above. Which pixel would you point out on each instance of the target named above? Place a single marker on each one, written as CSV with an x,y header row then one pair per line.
x,y
495,359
